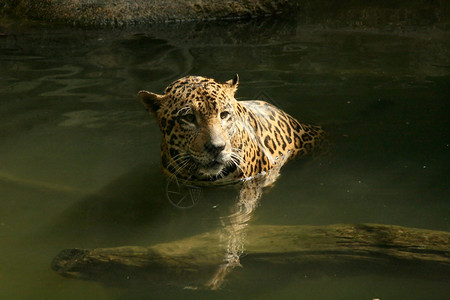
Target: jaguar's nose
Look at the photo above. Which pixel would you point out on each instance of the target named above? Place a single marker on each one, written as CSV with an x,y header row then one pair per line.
x,y
214,148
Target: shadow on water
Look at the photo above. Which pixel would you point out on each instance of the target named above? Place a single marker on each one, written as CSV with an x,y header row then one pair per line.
x,y
136,205
132,200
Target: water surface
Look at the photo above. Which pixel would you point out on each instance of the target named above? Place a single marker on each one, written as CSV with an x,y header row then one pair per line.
x,y
79,157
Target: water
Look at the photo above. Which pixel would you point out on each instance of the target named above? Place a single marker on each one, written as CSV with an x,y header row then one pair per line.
x,y
79,156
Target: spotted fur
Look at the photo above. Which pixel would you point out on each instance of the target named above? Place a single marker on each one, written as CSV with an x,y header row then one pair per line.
x,y
210,137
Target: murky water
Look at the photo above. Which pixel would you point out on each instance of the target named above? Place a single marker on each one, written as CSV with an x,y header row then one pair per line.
x,y
79,156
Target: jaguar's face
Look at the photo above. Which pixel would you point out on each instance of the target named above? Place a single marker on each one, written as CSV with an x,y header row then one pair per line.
x,y
197,120
201,137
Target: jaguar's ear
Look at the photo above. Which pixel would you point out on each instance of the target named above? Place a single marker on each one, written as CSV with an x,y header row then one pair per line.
x,y
151,101
232,84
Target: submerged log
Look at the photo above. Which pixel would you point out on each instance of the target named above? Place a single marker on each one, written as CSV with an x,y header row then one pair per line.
x,y
196,258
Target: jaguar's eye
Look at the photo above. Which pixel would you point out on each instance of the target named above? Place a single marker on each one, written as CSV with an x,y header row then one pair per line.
x,y
224,115
190,118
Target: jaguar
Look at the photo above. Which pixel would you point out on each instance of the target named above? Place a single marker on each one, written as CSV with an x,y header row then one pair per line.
x,y
209,137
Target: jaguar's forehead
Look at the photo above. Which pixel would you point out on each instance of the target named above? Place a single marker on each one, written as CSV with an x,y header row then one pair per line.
x,y
202,94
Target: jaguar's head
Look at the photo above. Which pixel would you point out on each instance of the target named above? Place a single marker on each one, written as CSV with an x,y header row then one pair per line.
x,y
197,118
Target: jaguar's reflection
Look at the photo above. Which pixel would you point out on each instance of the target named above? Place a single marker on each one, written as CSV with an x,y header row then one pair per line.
x,y
233,232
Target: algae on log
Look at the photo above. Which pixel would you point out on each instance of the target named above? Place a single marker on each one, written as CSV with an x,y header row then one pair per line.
x,y
126,12
196,258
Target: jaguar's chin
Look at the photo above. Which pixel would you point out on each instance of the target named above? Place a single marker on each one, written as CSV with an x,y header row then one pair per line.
x,y
212,168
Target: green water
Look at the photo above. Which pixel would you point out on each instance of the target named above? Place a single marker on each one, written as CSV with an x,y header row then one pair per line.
x,y
79,156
